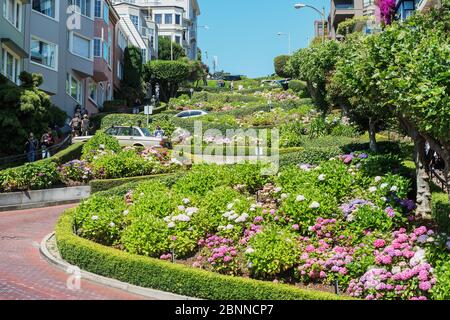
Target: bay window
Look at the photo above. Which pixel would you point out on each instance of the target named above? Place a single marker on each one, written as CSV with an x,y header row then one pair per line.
x,y
12,11
74,87
83,7
43,53
10,67
80,46
46,7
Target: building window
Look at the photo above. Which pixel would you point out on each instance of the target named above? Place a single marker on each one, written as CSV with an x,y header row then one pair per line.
x,y
98,9
119,70
178,19
97,47
135,20
158,18
368,3
105,51
109,47
80,46
93,90
82,6
122,41
73,87
144,55
13,13
168,18
10,65
43,53
46,7
106,13
178,39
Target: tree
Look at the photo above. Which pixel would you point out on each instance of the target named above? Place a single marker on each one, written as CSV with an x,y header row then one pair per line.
x,y
166,47
280,63
25,109
314,65
132,85
199,54
169,75
197,70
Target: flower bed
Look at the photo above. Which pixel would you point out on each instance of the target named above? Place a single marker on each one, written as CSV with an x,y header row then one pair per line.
x,y
309,225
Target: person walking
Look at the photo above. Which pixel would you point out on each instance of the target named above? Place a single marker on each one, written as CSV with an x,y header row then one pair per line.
x,y
30,147
46,143
85,125
75,123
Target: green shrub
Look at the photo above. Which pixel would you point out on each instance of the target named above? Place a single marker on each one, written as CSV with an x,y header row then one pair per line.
x,y
100,141
273,251
114,105
70,153
100,219
161,275
441,211
31,176
297,86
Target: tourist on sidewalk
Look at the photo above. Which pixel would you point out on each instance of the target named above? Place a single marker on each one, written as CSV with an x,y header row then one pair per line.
x,y
30,147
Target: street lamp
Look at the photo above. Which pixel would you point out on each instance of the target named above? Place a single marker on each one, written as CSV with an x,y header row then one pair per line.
x,y
289,39
322,14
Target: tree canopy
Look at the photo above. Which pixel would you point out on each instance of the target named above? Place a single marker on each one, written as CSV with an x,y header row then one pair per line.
x,y
164,49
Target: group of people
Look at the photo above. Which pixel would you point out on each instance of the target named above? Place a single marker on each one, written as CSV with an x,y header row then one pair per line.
x,y
44,145
80,123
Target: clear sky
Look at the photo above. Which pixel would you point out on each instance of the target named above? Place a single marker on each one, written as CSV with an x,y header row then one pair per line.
x,y
243,33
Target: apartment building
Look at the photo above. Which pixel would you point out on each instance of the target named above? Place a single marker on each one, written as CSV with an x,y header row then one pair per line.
x,y
137,24
341,10
60,46
405,8
320,27
100,85
121,42
175,19
13,22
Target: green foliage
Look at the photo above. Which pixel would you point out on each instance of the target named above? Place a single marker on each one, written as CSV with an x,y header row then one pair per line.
x,y
166,47
350,25
114,105
25,109
161,275
441,211
101,141
274,251
132,86
299,87
280,63
31,176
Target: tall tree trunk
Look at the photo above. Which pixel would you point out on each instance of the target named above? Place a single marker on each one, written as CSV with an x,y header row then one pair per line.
x,y
423,180
372,136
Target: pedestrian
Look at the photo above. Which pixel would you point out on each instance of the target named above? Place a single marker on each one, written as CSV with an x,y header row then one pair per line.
x,y
75,124
46,143
85,125
232,86
30,147
137,104
157,91
159,133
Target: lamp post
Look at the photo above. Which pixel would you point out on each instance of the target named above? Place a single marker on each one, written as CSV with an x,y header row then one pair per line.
x,y
289,39
322,14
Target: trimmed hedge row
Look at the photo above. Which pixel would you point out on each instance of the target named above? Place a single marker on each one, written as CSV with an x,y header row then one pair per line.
x,y
165,276
70,153
103,185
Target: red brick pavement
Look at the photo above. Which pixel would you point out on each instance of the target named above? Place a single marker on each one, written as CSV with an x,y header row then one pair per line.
x,y
24,274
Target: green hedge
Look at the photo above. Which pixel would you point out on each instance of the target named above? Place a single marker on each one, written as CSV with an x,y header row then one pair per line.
x,y
441,211
165,276
103,185
70,153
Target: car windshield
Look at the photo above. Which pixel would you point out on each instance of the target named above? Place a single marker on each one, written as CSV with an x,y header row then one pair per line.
x,y
146,132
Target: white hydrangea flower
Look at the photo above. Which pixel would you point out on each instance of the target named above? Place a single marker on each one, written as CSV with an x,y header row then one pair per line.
x,y
350,217
166,219
182,218
321,177
181,208
283,196
94,218
227,214
126,212
112,224
300,198
277,189
186,200
394,188
373,189
378,179
383,185
230,206
314,205
191,210
384,199
233,216
249,250
396,270
171,225
220,228
229,227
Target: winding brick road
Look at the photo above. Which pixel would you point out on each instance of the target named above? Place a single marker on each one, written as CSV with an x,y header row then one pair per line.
x,y
24,274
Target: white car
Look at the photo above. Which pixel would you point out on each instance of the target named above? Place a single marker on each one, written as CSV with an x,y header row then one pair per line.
x,y
131,137
191,114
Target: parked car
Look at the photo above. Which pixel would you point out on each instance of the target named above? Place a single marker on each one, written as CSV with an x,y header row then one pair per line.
x,y
270,83
131,137
191,114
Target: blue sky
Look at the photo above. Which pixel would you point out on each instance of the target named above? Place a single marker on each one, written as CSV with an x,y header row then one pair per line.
x,y
243,33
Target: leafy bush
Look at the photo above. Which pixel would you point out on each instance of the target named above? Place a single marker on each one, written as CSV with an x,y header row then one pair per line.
x,y
101,141
100,219
31,176
272,251
280,63
441,211
299,87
